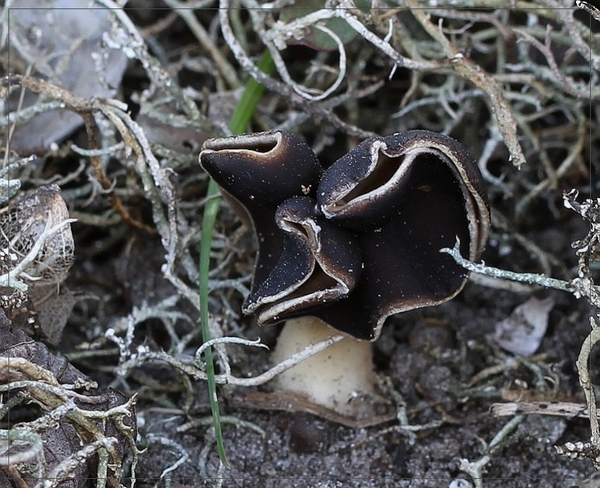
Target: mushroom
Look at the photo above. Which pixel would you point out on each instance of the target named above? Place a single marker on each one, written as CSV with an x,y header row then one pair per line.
x,y
256,172
363,247
320,263
407,196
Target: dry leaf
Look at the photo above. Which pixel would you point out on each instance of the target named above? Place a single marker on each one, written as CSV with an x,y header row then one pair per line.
x,y
522,332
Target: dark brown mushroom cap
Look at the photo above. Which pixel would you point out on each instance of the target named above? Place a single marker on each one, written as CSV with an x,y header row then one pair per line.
x,y
320,263
368,244
259,171
364,188
262,169
441,198
367,186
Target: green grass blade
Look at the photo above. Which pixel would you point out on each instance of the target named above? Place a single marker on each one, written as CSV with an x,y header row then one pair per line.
x,y
252,93
238,124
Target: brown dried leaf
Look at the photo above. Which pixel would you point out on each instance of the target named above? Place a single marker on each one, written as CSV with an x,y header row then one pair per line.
x,y
22,359
16,344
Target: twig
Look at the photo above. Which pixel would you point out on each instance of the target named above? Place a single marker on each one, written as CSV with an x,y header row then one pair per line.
x,y
529,278
143,355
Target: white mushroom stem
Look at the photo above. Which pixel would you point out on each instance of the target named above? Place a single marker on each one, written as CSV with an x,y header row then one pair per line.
x,y
339,378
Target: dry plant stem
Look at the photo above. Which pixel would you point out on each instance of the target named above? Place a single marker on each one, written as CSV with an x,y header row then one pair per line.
x,y
15,277
20,436
43,388
174,446
568,410
576,30
28,369
187,14
275,86
133,41
84,108
228,379
97,166
583,362
529,278
474,469
67,467
573,157
466,68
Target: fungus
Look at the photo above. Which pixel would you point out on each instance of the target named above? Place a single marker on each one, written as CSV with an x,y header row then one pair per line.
x,y
257,172
407,196
365,245
340,378
320,263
